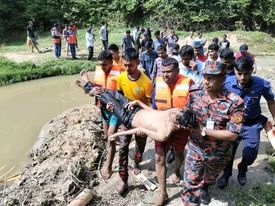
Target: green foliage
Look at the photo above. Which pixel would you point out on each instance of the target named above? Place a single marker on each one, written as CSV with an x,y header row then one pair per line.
x,y
181,14
12,72
259,196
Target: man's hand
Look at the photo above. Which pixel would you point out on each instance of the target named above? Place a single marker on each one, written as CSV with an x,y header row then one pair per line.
x,y
132,104
96,91
193,65
110,106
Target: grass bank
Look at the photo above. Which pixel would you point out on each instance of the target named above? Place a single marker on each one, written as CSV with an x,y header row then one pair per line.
x,y
12,72
35,65
256,196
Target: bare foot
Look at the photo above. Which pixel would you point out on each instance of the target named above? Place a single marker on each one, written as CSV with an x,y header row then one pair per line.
x,y
123,188
84,75
106,173
162,199
136,169
173,179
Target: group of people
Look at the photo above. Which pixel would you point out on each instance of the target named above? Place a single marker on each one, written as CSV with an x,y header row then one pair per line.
x,y
217,89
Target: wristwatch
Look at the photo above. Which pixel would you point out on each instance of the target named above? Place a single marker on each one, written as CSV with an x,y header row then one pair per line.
x,y
203,132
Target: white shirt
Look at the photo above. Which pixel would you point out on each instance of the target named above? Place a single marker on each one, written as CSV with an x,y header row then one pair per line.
x,y
89,39
103,33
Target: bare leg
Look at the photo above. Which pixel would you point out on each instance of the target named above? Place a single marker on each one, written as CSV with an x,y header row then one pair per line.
x,y
84,76
176,176
160,158
111,149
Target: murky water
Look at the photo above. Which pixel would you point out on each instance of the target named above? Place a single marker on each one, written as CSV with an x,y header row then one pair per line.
x,y
25,108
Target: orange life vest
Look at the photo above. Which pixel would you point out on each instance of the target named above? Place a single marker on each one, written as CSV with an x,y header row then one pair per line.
x,y
56,40
56,35
167,99
107,81
72,38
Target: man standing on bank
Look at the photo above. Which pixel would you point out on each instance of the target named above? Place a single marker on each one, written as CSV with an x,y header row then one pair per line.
x,y
251,89
220,115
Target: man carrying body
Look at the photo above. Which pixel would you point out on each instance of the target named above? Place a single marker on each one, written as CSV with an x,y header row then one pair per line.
x,y
171,91
106,78
117,59
220,115
251,89
135,85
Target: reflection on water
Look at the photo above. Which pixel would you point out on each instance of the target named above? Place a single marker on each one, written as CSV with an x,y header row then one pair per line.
x,y
26,107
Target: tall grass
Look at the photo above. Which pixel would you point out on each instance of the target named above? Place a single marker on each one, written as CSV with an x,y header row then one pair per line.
x,y
12,72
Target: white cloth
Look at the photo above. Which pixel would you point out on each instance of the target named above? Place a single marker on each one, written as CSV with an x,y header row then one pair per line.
x,y
89,39
103,33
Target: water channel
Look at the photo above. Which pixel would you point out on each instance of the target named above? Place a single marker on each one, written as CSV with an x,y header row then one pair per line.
x,y
25,108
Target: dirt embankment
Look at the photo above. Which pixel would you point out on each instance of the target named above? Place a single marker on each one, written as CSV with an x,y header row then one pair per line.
x,y
63,161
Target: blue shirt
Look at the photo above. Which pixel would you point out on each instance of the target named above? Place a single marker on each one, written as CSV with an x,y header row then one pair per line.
x,y
147,60
196,75
157,43
251,96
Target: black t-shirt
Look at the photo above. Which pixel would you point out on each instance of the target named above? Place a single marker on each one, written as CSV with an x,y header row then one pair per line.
x,y
31,31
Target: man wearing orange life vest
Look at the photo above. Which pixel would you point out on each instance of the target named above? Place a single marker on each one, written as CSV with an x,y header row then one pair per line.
x,y
106,77
72,41
56,39
171,91
117,59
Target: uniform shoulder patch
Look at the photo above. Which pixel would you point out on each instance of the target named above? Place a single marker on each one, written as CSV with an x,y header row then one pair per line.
x,y
237,118
235,98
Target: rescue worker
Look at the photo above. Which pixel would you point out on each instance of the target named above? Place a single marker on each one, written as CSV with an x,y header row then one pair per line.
x,y
135,85
72,41
56,39
106,77
251,89
117,59
220,116
172,91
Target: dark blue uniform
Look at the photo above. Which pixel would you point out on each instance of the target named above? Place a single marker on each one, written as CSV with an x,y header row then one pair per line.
x,y
254,121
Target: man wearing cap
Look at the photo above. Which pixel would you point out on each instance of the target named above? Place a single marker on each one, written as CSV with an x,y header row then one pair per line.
x,y
251,89
243,52
220,115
